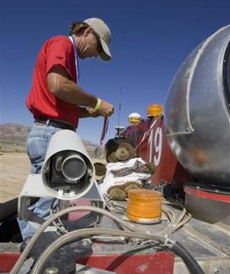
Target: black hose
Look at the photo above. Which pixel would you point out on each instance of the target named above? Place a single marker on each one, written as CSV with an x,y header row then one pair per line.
x,y
188,259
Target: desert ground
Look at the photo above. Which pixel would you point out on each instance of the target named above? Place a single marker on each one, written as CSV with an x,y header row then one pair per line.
x,y
14,169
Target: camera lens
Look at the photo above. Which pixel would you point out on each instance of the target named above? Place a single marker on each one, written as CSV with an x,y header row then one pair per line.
x,y
73,167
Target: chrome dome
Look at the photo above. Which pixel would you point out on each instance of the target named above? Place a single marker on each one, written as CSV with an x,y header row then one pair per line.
x,y
197,111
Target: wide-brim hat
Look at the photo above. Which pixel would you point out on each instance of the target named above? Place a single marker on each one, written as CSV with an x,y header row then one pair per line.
x,y
104,35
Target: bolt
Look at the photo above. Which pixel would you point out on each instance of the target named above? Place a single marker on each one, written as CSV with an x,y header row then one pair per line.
x,y
51,270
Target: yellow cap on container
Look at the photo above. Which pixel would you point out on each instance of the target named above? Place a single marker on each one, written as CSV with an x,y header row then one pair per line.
x,y
154,110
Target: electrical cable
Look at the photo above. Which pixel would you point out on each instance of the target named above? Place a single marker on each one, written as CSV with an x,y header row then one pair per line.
x,y
168,214
179,221
175,222
177,248
169,243
57,223
112,205
71,236
190,262
187,219
32,241
173,226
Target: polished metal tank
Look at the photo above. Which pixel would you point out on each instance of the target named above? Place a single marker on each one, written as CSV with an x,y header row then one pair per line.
x,y
197,111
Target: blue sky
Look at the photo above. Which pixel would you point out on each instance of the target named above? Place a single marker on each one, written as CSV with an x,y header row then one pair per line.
x,y
150,39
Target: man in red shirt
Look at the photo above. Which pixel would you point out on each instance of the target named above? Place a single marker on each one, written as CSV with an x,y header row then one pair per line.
x,y
55,92
56,100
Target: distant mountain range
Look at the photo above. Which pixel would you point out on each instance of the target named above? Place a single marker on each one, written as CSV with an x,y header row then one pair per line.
x,y
13,134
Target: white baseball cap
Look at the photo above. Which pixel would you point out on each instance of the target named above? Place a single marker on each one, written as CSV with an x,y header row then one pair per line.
x,y
104,34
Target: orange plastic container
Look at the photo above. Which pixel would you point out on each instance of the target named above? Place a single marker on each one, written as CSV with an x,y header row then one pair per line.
x,y
154,110
144,206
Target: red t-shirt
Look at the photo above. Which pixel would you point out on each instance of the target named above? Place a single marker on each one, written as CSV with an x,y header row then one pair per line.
x,y
41,102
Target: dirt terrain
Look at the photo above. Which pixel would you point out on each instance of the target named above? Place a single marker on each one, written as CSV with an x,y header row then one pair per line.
x,y
14,169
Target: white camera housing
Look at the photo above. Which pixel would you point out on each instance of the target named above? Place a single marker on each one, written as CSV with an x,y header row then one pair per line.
x,y
67,172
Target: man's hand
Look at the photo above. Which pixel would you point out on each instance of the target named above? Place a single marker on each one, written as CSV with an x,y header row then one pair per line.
x,y
85,112
105,109
92,112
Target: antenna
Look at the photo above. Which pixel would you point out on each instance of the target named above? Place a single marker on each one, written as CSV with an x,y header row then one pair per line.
x,y
118,127
119,107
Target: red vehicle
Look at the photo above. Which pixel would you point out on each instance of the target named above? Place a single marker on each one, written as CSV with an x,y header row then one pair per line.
x,y
189,145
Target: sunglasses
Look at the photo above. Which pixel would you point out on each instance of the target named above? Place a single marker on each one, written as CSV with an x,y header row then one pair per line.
x,y
99,47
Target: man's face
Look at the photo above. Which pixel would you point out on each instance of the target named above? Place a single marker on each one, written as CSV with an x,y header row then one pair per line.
x,y
89,45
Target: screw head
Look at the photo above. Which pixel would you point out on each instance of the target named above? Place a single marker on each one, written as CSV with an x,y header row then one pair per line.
x,y
51,270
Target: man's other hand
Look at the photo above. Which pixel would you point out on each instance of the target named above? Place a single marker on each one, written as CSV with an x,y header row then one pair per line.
x,y
105,109
92,112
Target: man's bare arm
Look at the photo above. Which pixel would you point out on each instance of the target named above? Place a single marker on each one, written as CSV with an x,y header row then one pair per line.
x,y
62,87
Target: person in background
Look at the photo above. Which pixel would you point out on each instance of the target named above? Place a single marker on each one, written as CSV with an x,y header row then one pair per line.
x,y
56,100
